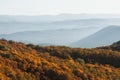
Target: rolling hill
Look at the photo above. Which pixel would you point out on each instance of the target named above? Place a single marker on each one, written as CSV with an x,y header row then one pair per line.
x,y
103,37
19,61
47,22
53,37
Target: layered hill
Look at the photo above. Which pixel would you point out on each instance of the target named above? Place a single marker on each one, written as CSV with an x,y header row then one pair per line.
x,y
32,62
50,37
103,37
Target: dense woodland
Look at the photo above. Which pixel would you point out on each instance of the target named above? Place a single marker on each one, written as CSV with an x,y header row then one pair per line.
x,y
19,61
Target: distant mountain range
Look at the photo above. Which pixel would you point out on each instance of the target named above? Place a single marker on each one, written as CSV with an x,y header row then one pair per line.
x,y
103,37
61,29
52,22
78,37
51,18
53,37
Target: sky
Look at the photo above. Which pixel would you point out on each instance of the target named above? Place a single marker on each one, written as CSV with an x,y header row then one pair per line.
x,y
53,7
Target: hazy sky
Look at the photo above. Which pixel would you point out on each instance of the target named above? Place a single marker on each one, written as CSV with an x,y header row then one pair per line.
x,y
45,7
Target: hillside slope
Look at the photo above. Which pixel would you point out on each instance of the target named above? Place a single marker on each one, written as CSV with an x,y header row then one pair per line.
x,y
115,47
103,37
32,62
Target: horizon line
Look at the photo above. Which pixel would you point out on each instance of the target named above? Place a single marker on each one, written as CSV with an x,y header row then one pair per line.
x,y
59,14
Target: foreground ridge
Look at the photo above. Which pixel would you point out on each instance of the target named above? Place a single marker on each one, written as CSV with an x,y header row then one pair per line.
x,y
19,61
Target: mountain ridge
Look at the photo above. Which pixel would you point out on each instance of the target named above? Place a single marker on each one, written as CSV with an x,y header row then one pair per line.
x,y
103,37
59,36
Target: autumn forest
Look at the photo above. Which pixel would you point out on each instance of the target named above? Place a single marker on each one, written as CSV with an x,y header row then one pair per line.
x,y
19,61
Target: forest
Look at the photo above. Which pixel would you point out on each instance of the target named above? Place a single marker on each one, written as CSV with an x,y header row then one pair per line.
x,y
19,61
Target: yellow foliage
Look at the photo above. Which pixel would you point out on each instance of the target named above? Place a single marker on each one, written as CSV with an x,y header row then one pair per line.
x,y
32,62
